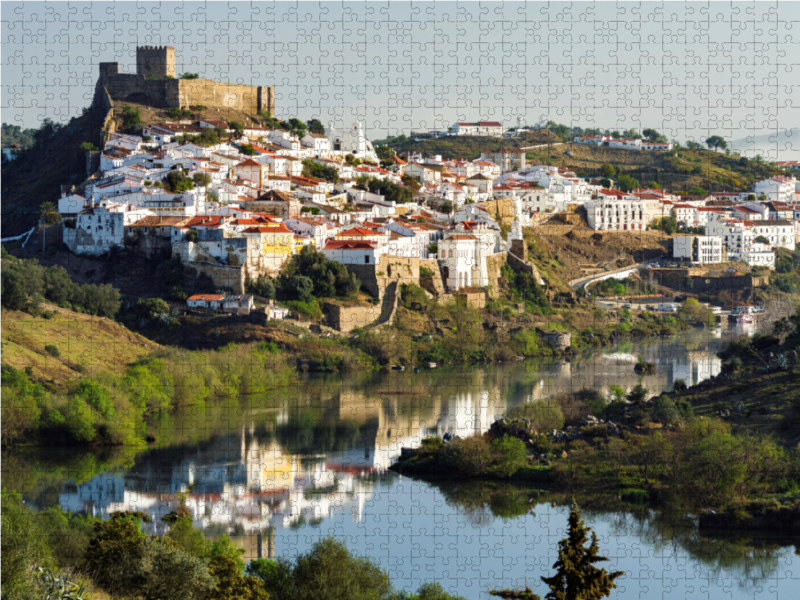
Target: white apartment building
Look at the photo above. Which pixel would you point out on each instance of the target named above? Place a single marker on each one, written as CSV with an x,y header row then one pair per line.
x,y
620,215
776,189
702,249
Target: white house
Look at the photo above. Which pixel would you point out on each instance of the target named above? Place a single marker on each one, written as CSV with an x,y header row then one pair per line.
x,y
206,301
239,303
317,142
462,255
101,227
624,144
488,128
353,252
656,146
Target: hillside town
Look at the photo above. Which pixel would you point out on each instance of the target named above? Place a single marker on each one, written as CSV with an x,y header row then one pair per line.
x,y
255,205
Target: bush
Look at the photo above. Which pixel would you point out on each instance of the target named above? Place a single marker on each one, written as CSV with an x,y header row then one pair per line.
x,y
509,456
679,385
430,446
52,350
469,456
664,410
544,413
263,286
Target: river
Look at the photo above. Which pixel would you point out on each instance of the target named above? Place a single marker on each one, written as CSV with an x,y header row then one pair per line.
x,y
278,472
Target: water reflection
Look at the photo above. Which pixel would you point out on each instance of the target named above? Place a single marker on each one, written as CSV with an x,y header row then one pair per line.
x,y
279,471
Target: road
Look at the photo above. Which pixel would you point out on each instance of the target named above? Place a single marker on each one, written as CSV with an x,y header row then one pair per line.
x,y
577,284
542,146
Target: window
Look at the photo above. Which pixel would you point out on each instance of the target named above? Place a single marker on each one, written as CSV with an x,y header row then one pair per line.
x,y
366,259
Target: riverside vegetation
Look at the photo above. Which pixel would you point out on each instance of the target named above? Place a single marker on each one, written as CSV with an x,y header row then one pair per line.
x,y
678,449
115,557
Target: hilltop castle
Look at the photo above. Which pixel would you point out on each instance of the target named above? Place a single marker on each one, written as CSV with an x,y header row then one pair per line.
x,y
155,84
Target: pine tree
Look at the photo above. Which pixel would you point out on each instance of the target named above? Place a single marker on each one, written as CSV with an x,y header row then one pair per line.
x,y
576,577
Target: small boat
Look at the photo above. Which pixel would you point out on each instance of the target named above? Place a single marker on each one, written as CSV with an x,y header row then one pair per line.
x,y
745,318
417,369
398,368
431,365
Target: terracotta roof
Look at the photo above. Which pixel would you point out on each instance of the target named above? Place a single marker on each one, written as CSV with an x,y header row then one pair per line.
x,y
156,221
206,297
361,231
350,245
249,163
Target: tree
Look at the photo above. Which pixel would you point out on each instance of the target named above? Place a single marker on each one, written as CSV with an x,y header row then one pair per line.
x,y
178,181
190,76
651,134
693,145
329,572
608,170
385,153
716,142
315,126
131,118
201,179
576,576
117,546
237,127
627,183
638,394
247,150
263,286
510,455
664,410
619,289
762,240
48,212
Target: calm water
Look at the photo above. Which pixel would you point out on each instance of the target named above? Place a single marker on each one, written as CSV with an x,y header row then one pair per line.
x,y
279,472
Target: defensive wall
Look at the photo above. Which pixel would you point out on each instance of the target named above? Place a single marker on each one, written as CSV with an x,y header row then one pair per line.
x,y
154,84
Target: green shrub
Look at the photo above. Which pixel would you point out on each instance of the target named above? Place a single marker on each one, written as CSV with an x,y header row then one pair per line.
x,y
469,456
509,456
430,446
52,350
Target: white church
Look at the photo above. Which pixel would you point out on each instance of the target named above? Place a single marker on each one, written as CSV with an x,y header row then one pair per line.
x,y
352,141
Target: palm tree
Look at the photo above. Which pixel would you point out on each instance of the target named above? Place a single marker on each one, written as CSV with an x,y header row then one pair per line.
x,y
48,213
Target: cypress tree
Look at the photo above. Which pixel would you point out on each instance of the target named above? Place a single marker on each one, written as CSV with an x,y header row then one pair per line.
x,y
576,577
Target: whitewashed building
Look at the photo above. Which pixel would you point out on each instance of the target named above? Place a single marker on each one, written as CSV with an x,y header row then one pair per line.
x,y
701,249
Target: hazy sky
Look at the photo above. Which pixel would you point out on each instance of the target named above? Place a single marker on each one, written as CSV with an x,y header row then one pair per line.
x,y
688,69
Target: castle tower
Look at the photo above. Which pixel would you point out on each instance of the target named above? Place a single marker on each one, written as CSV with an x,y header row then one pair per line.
x,y
158,61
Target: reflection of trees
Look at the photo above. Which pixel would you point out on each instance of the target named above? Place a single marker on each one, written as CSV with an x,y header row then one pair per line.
x,y
755,559
669,533
306,435
481,501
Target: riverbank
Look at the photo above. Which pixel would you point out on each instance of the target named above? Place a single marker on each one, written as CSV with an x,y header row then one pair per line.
x,y
726,449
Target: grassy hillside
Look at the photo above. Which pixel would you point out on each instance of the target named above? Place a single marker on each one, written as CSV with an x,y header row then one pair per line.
x,y
470,147
86,344
678,170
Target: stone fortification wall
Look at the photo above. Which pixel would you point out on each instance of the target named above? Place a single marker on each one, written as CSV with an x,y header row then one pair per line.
x,y
376,278
346,318
222,275
181,93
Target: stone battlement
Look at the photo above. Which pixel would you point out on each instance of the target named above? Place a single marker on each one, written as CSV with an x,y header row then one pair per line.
x,y
154,84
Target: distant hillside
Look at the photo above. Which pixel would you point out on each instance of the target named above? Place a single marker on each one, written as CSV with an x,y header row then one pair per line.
x,y
781,145
470,146
679,170
86,344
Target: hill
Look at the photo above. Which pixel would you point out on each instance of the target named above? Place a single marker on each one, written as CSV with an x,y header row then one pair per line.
x,y
470,147
678,170
85,344
57,158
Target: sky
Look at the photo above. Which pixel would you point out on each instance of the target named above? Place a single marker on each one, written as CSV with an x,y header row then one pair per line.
x,y
689,70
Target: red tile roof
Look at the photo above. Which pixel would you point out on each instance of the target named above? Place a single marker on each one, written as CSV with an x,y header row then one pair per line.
x,y
350,245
